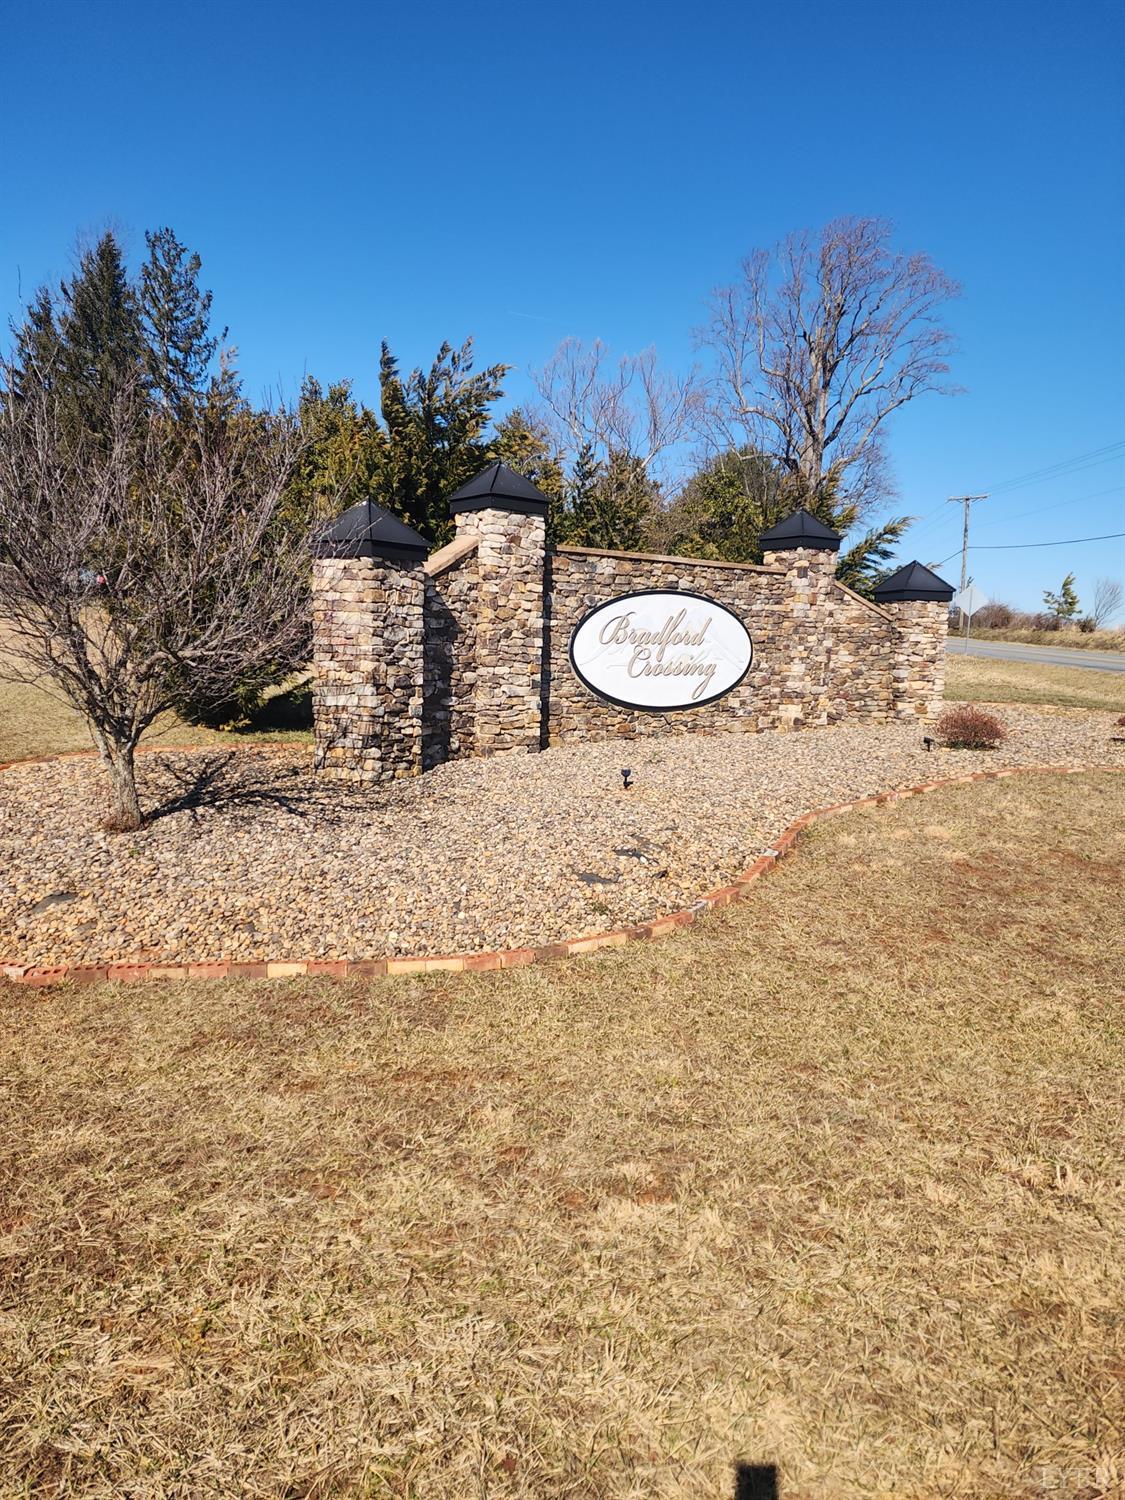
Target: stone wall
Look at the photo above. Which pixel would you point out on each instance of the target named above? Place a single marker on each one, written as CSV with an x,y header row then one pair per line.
x,y
578,579
452,585
468,653
367,646
864,639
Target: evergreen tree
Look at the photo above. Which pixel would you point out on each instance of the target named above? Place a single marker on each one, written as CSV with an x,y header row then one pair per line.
x,y
176,318
865,563
101,342
435,423
343,459
524,443
1064,604
726,505
35,358
607,503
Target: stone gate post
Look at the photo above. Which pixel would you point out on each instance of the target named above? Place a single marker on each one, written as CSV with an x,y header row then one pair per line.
x,y
508,515
367,607
919,602
806,549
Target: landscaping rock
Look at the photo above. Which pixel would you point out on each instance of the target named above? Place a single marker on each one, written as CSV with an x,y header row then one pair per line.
x,y
250,856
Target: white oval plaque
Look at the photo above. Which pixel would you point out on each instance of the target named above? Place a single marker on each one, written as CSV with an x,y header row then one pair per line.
x,y
661,651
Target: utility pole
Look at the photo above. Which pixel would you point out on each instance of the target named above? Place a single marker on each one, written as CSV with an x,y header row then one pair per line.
x,y
966,501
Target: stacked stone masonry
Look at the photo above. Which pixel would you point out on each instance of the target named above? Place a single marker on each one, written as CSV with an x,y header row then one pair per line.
x,y
467,654
368,626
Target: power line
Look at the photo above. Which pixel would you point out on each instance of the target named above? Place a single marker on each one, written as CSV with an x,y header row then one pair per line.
x,y
1055,504
1071,541
1080,462
1052,471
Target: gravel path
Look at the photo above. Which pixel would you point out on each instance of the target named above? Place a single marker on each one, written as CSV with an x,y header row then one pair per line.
x,y
251,857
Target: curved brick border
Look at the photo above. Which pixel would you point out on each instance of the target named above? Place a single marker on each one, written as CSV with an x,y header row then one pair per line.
x,y
508,958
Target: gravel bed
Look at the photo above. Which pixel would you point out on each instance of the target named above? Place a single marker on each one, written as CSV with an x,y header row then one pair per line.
x,y
252,857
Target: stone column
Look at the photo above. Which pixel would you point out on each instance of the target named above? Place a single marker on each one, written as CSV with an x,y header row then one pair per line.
x,y
918,663
918,600
806,550
508,516
368,601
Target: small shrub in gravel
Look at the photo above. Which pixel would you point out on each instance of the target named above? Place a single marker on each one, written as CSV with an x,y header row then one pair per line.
x,y
967,727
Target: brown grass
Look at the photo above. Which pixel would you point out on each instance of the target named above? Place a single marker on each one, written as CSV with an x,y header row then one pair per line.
x,y
36,721
832,1180
978,679
1094,640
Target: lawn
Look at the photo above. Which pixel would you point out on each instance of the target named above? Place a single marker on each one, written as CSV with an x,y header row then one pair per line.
x,y
832,1180
35,721
979,679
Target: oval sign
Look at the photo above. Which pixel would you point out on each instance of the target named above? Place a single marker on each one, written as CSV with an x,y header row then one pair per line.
x,y
661,651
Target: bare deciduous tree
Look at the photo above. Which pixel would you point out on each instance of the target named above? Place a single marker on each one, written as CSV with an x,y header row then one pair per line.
x,y
817,345
145,563
629,407
1107,601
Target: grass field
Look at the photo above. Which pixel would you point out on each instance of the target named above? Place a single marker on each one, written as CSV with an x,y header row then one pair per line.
x,y
35,722
980,679
1079,640
833,1180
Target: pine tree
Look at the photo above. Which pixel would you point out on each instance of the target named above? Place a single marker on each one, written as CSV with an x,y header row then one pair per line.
x,y
726,505
35,358
1064,604
343,460
435,423
176,317
101,342
525,444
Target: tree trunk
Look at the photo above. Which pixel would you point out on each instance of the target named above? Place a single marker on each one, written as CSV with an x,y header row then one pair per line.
x,y
125,813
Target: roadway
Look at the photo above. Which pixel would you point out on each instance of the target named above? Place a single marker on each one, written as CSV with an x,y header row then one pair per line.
x,y
1050,656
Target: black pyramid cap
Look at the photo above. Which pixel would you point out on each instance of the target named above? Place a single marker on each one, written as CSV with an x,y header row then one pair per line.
x,y
913,582
499,488
801,529
368,530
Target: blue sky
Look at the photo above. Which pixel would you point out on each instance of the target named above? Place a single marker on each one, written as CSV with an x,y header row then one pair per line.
x,y
523,173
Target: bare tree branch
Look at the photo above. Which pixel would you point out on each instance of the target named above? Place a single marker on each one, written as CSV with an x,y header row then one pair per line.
x,y
146,560
817,345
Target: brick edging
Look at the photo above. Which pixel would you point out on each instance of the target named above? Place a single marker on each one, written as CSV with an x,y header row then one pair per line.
x,y
508,958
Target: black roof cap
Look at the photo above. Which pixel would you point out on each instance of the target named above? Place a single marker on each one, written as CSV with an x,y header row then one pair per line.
x,y
499,488
913,582
801,529
368,530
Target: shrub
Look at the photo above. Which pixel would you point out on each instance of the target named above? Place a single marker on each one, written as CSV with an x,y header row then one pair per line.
x,y
1087,624
994,616
969,728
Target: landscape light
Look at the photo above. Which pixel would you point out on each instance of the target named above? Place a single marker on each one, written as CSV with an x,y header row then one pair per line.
x,y
928,742
626,778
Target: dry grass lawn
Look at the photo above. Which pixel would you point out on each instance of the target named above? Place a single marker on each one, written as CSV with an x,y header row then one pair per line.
x,y
1080,640
34,721
834,1180
979,679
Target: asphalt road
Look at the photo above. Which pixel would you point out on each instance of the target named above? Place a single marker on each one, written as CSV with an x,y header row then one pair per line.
x,y
1051,656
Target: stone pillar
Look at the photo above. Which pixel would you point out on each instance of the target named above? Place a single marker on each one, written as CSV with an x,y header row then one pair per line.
x,y
918,601
918,663
806,550
368,628
508,516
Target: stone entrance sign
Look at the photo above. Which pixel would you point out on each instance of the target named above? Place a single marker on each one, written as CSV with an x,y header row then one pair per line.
x,y
499,641
661,652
